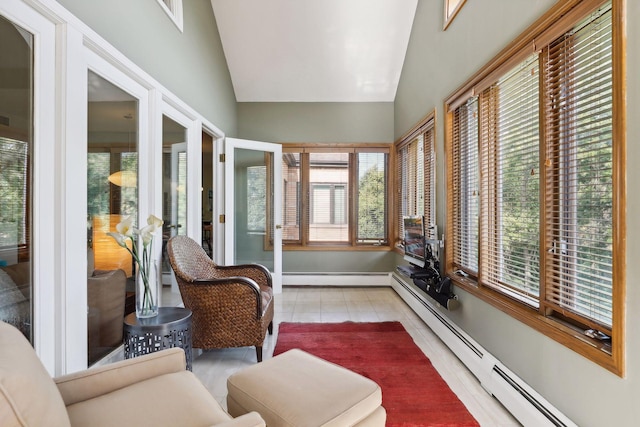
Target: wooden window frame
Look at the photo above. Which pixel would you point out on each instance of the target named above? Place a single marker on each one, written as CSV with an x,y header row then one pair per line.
x,y
450,11
425,128
304,203
557,325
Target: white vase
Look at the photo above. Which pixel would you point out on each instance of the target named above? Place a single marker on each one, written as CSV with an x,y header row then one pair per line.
x,y
148,291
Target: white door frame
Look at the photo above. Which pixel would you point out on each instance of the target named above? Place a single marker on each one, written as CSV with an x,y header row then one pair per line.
x,y
47,278
65,48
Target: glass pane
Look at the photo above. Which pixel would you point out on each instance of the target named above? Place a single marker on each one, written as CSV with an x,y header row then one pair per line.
x,y
511,166
253,207
580,259
112,195
291,197
174,186
256,198
465,197
16,148
328,182
372,189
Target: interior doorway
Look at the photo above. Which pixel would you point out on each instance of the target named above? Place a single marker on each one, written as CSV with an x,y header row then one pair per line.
x,y
207,193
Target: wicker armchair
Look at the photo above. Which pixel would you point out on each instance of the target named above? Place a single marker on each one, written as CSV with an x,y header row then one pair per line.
x,y
232,305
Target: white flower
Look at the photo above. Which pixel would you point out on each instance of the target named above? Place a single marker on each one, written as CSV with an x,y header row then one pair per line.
x,y
143,258
119,238
147,234
125,227
155,221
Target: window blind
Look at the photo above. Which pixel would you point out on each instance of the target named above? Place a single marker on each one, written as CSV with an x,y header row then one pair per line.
x,y
415,173
428,138
98,186
291,179
409,196
14,197
510,186
464,186
579,159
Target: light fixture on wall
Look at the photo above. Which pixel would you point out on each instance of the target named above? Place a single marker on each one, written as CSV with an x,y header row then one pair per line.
x,y
125,178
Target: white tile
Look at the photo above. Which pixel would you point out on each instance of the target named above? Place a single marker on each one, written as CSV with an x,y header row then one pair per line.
x,y
333,306
359,306
335,316
334,294
313,304
307,307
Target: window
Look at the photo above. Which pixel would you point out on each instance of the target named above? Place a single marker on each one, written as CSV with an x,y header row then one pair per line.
x,y
510,190
291,197
372,197
465,189
415,174
451,9
335,196
173,8
328,209
579,179
532,149
256,198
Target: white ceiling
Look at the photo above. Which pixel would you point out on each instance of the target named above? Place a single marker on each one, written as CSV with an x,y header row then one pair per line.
x,y
315,50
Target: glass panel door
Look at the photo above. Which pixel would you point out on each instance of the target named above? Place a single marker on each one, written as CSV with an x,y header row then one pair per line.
x,y
254,205
174,187
112,196
16,184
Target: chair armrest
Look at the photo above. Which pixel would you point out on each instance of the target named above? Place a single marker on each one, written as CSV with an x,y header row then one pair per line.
x,y
252,419
257,272
233,280
94,382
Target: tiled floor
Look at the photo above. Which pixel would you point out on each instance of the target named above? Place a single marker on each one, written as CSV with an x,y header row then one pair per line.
x,y
306,304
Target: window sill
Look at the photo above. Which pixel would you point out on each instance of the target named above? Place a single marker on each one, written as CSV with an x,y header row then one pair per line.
x,y
554,328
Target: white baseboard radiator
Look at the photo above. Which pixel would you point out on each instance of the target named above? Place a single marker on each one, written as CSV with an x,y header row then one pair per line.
x,y
524,403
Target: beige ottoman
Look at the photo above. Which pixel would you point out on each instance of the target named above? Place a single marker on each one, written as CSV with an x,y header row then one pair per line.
x,y
300,390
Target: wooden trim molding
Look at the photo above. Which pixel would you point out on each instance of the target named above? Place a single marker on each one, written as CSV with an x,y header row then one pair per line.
x,y
555,324
451,9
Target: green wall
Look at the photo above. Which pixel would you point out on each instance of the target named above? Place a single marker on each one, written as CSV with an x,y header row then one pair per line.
x,y
338,261
437,64
191,64
316,122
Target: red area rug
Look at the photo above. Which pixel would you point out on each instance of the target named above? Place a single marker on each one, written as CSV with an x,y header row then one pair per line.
x,y
413,393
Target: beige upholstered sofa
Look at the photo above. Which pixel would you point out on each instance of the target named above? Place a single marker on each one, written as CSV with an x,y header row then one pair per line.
x,y
153,390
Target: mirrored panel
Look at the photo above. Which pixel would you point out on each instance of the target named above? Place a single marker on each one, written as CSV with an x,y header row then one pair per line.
x,y
112,196
16,165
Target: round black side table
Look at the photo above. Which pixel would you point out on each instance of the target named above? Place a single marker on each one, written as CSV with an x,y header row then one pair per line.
x,y
170,328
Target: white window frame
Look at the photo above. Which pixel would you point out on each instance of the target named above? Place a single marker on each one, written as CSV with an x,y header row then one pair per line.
x,y
173,8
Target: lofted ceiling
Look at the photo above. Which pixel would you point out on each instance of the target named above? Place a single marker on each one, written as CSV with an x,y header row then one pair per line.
x,y
314,50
